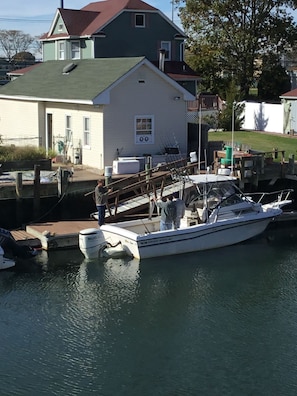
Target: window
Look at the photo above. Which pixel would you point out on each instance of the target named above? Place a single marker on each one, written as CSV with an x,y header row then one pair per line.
x,y
75,50
144,130
68,131
182,51
61,50
86,130
139,20
166,45
60,27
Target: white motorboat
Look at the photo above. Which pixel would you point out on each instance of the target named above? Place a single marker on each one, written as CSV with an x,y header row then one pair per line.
x,y
218,214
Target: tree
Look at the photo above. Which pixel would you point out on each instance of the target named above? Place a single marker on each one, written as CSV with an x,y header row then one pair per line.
x,y
13,42
274,81
230,37
24,57
231,115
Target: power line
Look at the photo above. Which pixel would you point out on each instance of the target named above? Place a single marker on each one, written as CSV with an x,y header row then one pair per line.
x,y
24,20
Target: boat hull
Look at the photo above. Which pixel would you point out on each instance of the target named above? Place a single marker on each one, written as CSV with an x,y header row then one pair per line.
x,y
195,238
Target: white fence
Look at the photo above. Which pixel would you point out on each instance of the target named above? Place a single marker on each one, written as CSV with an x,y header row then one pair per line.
x,y
265,117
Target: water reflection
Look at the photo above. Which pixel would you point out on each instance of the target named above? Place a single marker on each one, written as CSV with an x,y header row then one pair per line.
x,y
220,319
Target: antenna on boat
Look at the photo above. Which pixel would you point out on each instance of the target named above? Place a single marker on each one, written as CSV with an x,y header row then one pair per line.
x,y
232,137
199,139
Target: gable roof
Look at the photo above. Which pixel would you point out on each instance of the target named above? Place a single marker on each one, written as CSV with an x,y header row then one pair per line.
x,y
290,95
20,72
87,81
92,18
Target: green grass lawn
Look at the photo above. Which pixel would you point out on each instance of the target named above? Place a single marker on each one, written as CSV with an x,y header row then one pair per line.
x,y
260,141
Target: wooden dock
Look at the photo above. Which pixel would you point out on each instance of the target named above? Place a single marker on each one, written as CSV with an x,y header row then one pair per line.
x,y
54,235
65,234
59,234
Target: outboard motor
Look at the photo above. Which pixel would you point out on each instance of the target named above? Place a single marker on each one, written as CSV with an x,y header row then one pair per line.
x,y
91,241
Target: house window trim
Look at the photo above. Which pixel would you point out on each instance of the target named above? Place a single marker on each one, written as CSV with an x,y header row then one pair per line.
x,y
71,52
68,128
182,52
167,50
59,50
86,146
142,139
135,18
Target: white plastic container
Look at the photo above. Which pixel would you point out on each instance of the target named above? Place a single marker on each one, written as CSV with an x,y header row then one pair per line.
x,y
108,171
125,167
224,171
193,157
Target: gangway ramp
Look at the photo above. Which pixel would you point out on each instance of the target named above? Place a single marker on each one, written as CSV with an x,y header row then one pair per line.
x,y
141,203
132,195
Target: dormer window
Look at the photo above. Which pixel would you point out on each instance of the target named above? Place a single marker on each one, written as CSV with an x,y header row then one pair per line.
x,y
140,20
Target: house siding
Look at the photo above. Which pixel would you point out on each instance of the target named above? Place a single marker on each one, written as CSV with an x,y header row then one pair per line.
x,y
49,50
131,98
56,27
123,39
20,122
91,156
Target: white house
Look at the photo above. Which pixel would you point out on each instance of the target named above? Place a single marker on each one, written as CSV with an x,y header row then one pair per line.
x,y
289,102
93,110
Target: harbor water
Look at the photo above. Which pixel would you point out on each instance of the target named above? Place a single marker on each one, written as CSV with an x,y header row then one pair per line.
x,y
221,322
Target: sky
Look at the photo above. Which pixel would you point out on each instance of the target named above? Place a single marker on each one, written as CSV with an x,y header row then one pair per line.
x,y
34,17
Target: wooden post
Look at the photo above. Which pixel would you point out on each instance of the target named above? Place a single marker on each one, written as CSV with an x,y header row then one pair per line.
x,y
19,185
291,170
275,154
62,176
19,196
36,199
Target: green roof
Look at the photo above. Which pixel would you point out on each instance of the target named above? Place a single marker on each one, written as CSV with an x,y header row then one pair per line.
x,y
84,82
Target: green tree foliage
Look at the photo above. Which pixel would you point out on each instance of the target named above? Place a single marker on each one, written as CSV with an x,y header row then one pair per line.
x,y
274,81
228,38
231,116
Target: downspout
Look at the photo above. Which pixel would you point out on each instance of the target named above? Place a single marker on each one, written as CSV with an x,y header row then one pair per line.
x,y
162,59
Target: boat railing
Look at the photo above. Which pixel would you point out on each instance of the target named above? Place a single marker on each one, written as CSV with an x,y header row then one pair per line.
x,y
274,196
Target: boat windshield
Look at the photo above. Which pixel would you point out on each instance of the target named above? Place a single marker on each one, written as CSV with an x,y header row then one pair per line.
x,y
214,194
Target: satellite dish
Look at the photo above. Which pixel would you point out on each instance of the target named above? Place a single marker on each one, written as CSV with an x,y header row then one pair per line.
x,y
68,68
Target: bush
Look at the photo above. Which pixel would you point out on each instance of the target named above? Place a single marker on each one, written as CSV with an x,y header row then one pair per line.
x,y
13,153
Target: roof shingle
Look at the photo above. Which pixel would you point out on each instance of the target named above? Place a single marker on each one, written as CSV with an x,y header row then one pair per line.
x,y
89,78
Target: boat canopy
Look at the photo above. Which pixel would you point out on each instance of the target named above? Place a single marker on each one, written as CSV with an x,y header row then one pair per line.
x,y
211,178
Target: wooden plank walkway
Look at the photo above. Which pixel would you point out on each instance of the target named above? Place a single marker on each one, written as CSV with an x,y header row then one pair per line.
x,y
24,238
59,234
